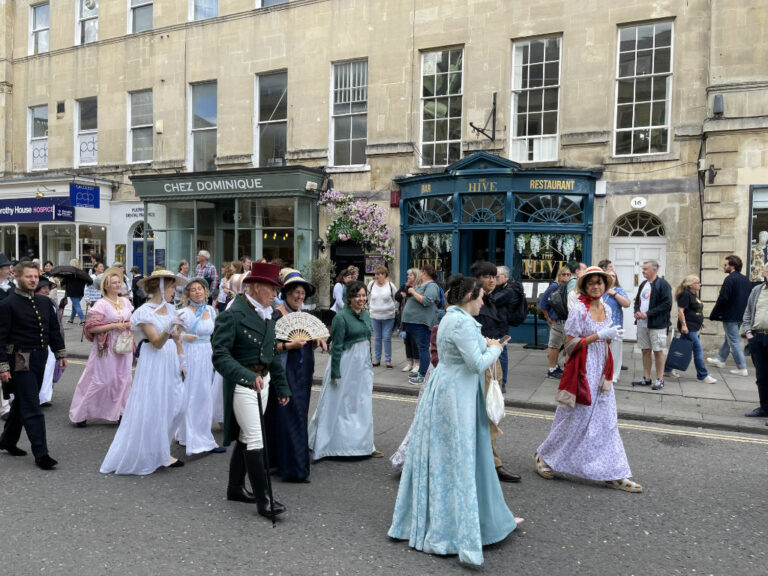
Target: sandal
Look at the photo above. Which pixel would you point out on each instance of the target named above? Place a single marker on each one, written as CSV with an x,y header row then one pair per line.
x,y
624,484
541,467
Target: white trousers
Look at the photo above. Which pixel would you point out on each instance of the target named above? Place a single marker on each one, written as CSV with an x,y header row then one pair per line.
x,y
246,407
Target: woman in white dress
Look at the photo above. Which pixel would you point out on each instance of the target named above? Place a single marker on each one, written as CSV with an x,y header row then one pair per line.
x,y
142,443
195,430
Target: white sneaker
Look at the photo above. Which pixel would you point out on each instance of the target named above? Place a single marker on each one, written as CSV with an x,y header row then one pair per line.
x,y
407,367
716,362
739,372
675,374
708,380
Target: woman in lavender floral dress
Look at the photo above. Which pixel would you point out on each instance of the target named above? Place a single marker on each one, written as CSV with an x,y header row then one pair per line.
x,y
584,440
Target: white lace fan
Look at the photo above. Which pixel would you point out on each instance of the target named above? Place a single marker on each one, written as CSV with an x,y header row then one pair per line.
x,y
300,326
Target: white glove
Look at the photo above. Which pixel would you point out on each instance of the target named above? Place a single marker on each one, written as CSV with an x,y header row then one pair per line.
x,y
174,323
611,333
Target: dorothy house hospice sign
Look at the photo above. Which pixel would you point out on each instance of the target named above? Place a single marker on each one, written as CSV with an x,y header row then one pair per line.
x,y
36,210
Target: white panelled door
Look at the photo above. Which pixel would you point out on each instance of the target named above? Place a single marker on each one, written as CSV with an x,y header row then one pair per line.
x,y
628,255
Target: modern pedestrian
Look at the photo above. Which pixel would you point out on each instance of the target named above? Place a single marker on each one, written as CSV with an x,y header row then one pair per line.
x,y
28,325
74,290
616,299
413,278
382,306
508,297
449,500
690,319
224,291
493,325
584,440
729,309
555,319
245,354
182,270
194,432
653,304
246,262
206,270
287,432
420,314
342,424
93,290
340,288
139,297
142,443
105,384
755,328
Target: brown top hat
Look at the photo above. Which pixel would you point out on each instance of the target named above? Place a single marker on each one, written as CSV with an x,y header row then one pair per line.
x,y
264,273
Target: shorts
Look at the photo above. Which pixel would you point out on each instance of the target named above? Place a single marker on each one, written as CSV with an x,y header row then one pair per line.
x,y
651,338
556,335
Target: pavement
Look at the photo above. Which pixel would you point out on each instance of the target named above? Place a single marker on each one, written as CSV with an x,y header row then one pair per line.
x,y
683,401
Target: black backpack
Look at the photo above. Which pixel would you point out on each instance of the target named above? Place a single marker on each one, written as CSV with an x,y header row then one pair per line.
x,y
558,301
518,306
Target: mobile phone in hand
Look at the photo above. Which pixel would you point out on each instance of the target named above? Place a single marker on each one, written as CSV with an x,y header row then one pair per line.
x,y
504,339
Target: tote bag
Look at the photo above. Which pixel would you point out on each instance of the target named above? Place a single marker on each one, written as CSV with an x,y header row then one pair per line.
x,y
680,354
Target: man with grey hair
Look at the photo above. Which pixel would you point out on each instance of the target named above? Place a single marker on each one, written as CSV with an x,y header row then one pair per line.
x,y
507,297
653,304
205,269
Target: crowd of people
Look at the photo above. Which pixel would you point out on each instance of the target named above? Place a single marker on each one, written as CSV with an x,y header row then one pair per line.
x,y
206,350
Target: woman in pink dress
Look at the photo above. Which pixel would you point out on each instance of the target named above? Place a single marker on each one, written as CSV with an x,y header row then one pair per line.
x,y
105,383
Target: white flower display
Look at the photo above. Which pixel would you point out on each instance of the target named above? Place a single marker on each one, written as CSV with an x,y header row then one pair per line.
x,y
569,245
425,241
520,243
535,244
414,241
448,242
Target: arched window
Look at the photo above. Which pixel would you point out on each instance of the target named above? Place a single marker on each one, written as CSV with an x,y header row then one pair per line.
x,y
138,231
638,224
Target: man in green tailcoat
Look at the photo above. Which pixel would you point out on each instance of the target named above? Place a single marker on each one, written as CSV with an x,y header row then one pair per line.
x,y
245,354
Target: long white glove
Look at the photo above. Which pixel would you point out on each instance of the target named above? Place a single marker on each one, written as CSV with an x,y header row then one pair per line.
x,y
611,333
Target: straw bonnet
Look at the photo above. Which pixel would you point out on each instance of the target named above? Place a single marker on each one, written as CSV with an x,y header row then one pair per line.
x,y
590,272
236,282
291,277
162,274
199,280
112,271
264,273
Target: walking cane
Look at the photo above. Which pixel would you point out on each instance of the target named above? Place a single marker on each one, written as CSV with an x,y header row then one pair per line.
x,y
266,461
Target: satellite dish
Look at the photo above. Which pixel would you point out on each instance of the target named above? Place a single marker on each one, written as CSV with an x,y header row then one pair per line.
x,y
90,4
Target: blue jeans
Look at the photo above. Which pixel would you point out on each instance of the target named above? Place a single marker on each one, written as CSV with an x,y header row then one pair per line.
x,y
76,309
698,354
420,334
504,360
382,330
732,344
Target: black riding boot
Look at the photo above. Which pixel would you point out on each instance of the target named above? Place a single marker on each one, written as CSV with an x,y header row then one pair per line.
x,y
236,489
254,463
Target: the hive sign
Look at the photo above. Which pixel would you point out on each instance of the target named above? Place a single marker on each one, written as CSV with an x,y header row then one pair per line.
x,y
84,196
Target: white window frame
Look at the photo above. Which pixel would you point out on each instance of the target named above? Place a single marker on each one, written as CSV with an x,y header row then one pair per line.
x,y
422,101
85,134
79,40
257,124
191,11
530,141
653,76
131,17
191,131
130,127
35,143
332,100
34,32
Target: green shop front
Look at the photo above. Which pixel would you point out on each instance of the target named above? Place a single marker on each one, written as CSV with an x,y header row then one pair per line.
x,y
485,207
262,213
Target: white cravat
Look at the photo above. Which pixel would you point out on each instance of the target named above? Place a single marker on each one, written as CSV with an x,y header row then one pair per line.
x,y
264,311
5,285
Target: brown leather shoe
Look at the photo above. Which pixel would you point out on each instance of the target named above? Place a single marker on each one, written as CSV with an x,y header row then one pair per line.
x,y
506,476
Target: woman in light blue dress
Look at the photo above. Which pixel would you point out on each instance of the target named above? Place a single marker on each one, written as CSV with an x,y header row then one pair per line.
x,y
450,500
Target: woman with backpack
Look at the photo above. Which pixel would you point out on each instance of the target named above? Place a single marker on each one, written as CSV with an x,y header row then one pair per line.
x,y
420,314
382,307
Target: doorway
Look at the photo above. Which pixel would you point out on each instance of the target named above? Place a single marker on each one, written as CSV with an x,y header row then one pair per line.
x,y
481,244
636,238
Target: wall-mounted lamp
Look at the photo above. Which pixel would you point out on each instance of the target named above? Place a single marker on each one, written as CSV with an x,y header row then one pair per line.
x,y
711,173
718,107
41,190
329,184
320,245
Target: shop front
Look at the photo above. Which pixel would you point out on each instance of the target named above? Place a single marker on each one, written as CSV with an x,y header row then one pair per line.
x,y
262,213
54,221
488,208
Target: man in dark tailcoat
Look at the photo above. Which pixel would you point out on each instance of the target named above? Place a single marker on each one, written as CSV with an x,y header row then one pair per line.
x,y
245,354
28,326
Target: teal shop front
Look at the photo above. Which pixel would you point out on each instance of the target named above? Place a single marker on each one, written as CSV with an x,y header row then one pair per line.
x,y
485,207
262,213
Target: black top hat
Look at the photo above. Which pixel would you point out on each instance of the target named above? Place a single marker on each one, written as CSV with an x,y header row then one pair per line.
x,y
4,260
43,282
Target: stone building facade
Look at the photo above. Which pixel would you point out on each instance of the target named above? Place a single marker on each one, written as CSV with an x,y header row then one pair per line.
x,y
665,101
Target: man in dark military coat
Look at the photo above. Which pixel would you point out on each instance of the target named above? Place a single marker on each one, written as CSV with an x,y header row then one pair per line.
x,y
28,326
245,354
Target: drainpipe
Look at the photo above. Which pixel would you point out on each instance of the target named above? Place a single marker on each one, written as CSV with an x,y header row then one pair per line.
x,y
701,175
